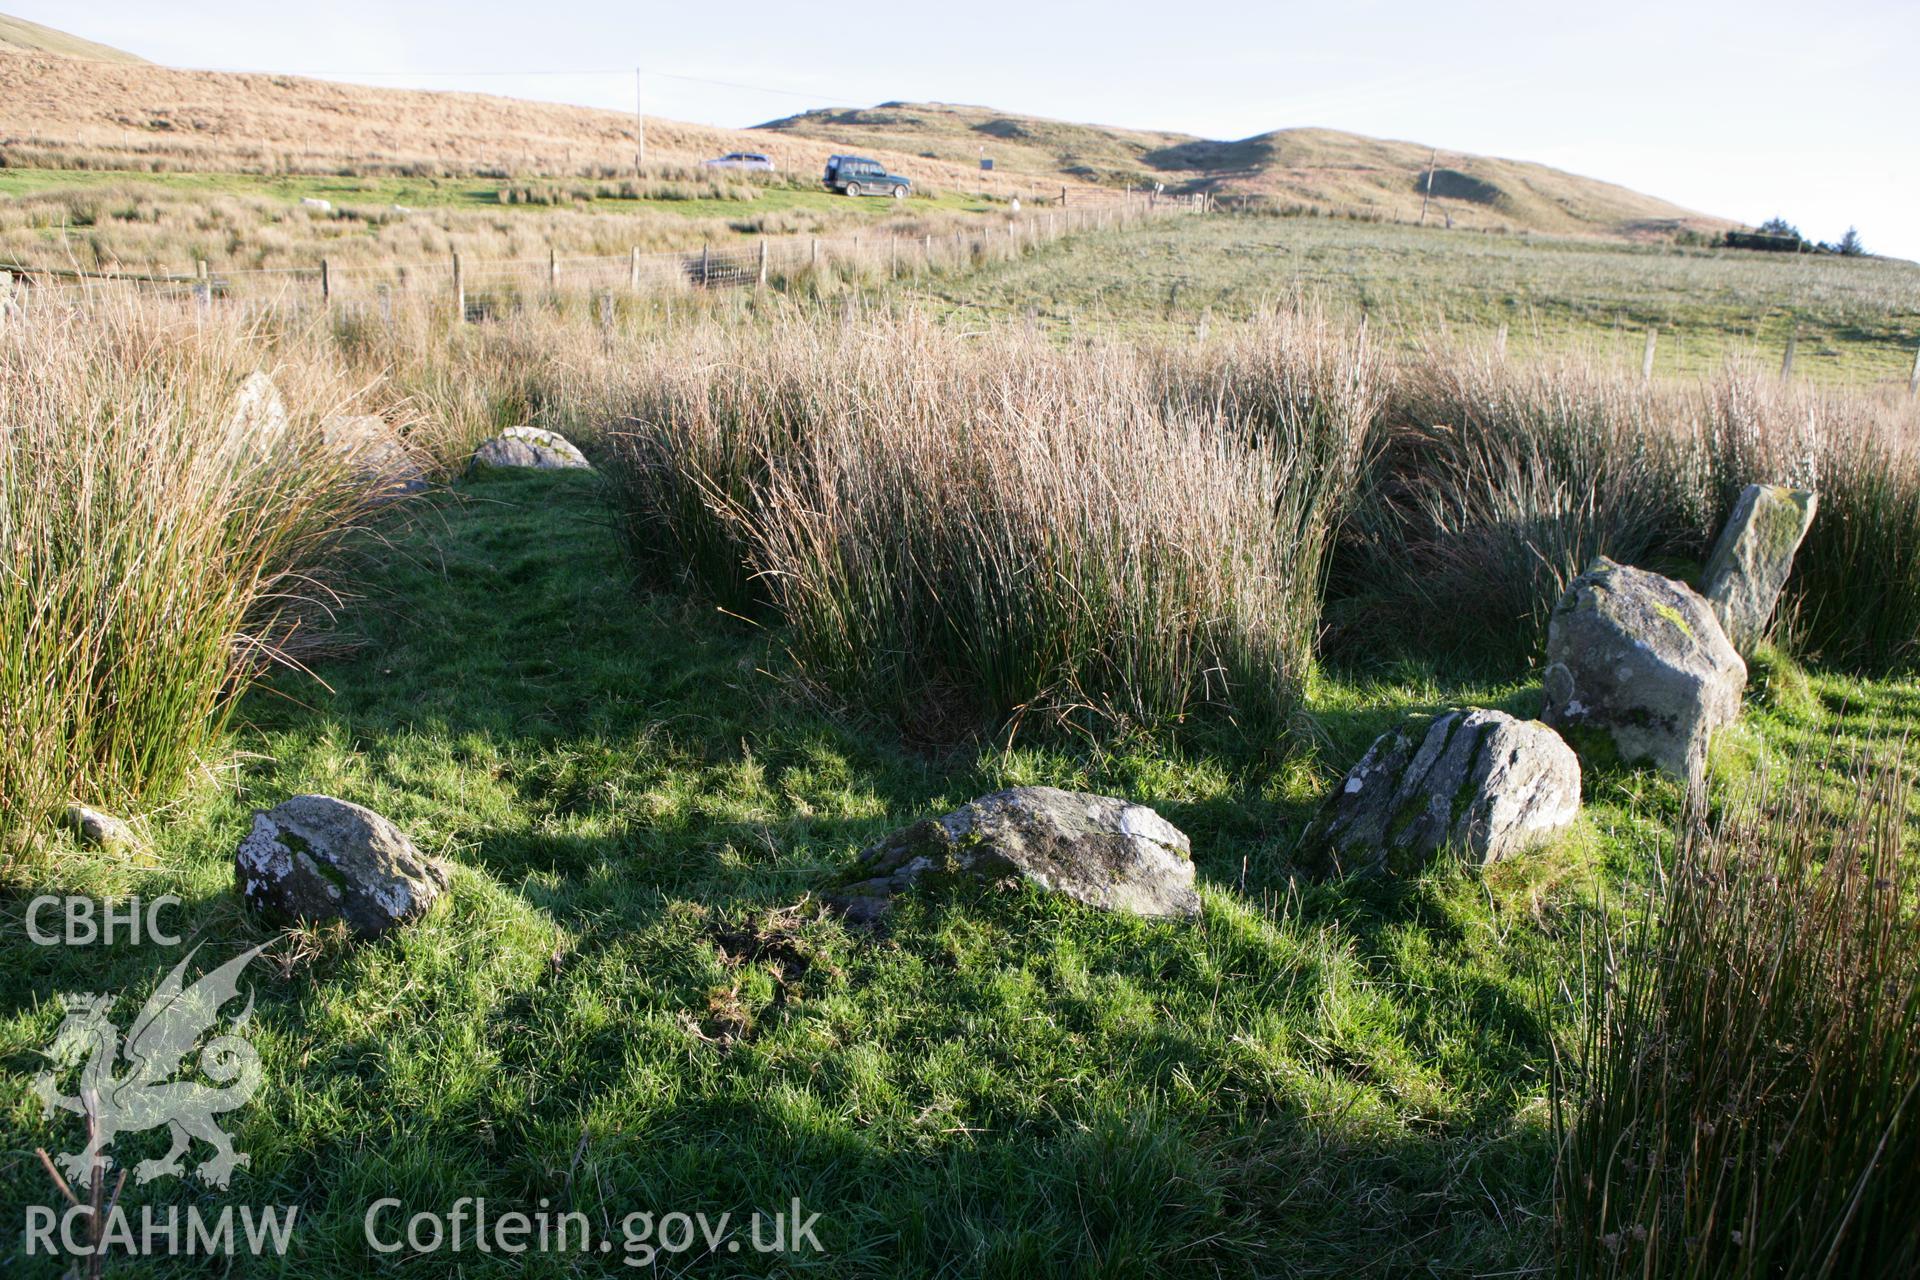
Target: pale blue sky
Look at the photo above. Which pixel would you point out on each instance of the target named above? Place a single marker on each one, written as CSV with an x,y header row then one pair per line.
x,y
1739,109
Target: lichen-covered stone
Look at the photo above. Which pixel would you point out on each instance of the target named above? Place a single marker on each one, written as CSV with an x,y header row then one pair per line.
x,y
530,447
1481,783
316,858
101,830
1642,660
374,453
1750,563
1098,850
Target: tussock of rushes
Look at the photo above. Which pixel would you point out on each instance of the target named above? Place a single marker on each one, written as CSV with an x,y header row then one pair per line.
x,y
957,530
150,554
1749,1099
1499,482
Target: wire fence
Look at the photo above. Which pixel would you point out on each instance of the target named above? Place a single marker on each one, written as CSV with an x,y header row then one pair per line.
x,y
479,289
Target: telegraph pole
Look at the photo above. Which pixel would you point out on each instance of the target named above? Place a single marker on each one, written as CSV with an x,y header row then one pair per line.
x,y
639,130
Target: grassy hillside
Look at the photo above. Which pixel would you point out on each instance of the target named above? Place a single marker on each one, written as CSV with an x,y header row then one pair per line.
x,y
1322,168
72,114
30,37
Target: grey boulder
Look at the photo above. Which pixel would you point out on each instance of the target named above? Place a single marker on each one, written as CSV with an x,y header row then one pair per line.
x,y
1481,783
1102,851
101,830
1750,563
374,453
259,421
1642,660
315,858
532,447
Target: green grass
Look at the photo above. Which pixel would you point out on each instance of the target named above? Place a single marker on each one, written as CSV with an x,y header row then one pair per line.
x,y
629,1003
1858,319
1005,1083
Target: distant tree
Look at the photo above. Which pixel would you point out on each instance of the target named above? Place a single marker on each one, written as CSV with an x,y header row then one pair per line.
x,y
1850,244
1780,227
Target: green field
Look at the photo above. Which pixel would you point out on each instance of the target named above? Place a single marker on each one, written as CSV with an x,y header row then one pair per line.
x,y
1858,319
632,999
632,1003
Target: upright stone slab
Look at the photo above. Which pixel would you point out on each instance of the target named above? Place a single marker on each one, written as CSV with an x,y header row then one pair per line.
x,y
1641,660
1099,850
318,858
1750,563
259,414
1479,782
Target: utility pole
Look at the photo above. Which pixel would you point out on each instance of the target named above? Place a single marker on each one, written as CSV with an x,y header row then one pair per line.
x,y
1431,161
639,130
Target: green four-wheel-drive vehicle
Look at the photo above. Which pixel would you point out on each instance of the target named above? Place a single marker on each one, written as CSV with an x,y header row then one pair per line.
x,y
859,176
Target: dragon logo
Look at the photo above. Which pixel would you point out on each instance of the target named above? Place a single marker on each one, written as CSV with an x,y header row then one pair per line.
x,y
144,1095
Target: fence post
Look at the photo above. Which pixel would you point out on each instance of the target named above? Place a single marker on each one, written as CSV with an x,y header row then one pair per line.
x,y
706,264
633,269
1646,361
553,271
893,259
763,263
459,292
1913,380
1063,196
1786,361
326,284
1500,342
813,253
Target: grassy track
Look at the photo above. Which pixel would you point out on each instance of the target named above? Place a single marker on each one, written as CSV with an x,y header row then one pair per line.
x,y
615,1011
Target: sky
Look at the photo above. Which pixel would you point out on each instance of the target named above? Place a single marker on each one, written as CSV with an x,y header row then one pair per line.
x,y
1745,111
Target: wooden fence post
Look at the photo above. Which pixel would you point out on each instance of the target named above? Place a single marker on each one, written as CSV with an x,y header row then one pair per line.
x,y
1063,196
633,269
1786,361
706,264
1646,361
763,264
553,271
1913,380
813,253
326,284
459,293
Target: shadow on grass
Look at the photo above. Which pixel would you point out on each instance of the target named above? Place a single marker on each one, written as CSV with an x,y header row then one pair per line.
x,y
627,1004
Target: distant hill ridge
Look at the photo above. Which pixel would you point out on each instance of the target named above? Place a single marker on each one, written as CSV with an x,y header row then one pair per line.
x,y
74,102
31,37
1324,168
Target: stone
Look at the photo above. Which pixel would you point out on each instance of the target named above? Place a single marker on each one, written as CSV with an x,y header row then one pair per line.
x,y
375,454
1640,660
1481,783
101,830
530,447
259,414
1102,851
1750,563
315,858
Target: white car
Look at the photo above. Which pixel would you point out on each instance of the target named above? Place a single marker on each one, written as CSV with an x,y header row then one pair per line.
x,y
741,160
